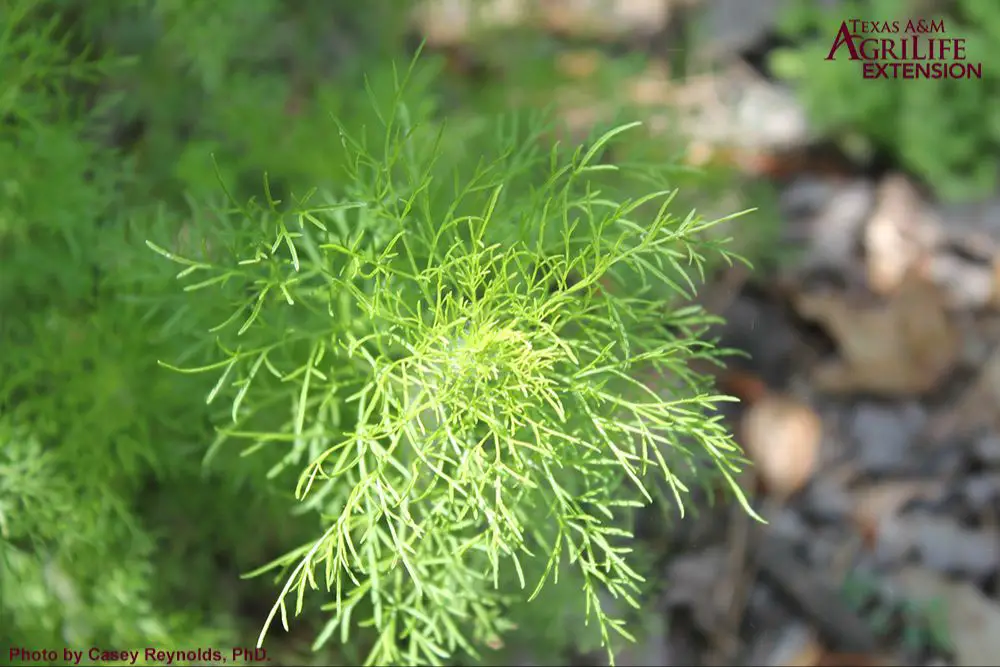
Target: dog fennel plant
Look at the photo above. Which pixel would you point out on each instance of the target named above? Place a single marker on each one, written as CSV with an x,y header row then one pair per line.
x,y
450,354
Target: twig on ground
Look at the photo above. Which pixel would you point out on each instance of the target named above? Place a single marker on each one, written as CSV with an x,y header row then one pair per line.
x,y
833,618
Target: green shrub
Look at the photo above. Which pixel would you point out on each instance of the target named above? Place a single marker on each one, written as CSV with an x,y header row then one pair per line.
x,y
946,132
439,356
75,562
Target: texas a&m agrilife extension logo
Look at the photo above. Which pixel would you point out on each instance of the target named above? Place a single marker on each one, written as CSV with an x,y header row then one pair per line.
x,y
911,49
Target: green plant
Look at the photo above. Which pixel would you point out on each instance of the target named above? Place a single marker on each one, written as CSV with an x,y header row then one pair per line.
x,y
946,132
445,309
100,451
76,563
452,356
922,623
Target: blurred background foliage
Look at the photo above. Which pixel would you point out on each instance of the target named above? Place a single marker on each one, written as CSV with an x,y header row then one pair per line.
x,y
944,132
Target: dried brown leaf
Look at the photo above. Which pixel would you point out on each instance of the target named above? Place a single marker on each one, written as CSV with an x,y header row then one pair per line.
x,y
875,504
903,344
975,408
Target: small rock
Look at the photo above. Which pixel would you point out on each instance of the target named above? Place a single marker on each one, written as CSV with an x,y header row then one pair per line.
x,y
987,449
734,27
826,217
978,222
884,434
788,523
740,110
769,116
942,544
967,284
449,22
605,18
982,492
691,582
446,22
830,549
826,500
900,232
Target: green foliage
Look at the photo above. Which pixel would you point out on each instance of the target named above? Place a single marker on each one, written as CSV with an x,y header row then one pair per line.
x,y
440,361
446,357
923,624
944,131
75,562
